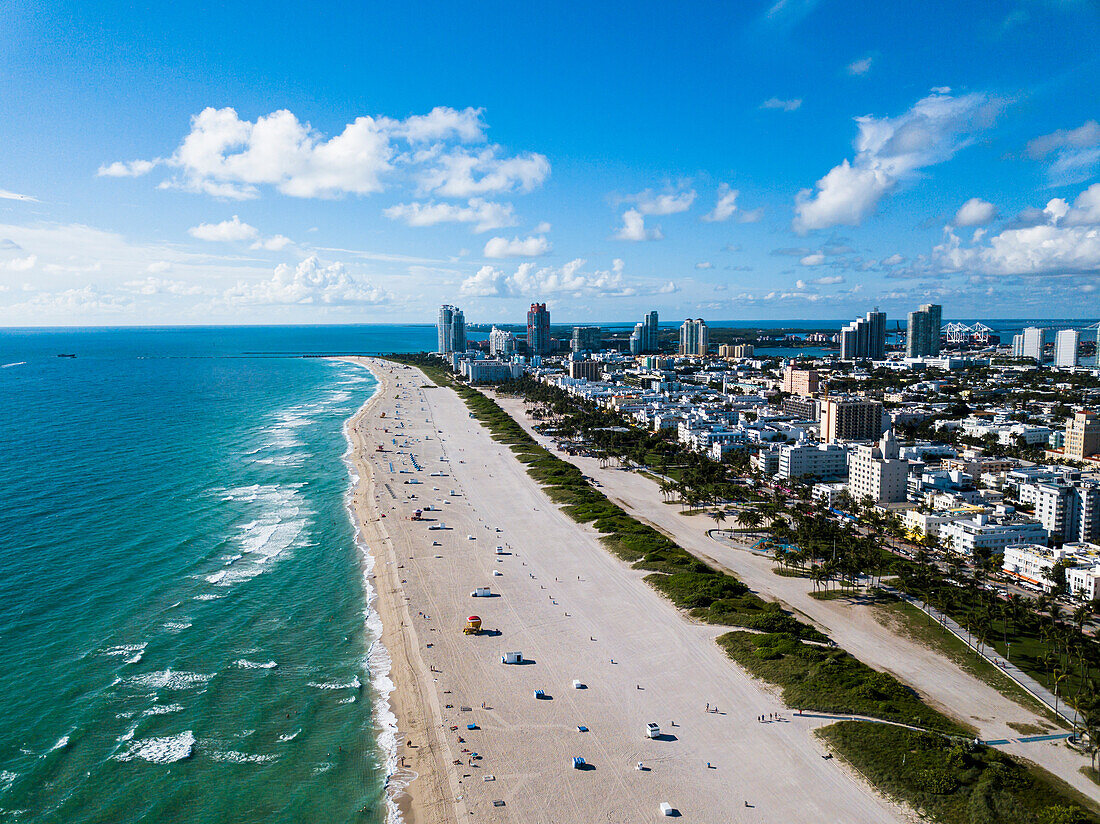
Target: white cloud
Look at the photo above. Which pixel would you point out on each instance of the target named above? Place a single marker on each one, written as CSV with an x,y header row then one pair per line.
x,y
543,228
815,259
485,215
442,123
227,157
662,203
161,286
501,247
860,67
726,205
1076,152
634,229
23,264
135,168
6,195
310,282
828,280
975,212
158,267
893,260
464,174
227,231
1068,242
784,105
888,151
276,243
530,280
704,264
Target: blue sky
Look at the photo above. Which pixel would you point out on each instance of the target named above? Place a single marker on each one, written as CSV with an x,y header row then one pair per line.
x,y
256,163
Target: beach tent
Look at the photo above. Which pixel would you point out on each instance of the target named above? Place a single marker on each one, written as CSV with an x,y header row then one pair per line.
x,y
512,658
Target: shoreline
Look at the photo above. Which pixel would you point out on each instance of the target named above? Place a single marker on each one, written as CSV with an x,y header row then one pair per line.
x,y
414,788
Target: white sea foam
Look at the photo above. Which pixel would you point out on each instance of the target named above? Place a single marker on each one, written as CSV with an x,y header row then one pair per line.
x,y
126,649
208,596
61,743
163,709
233,757
353,684
176,626
7,778
246,664
128,735
216,577
10,365
165,750
290,736
379,662
135,658
168,680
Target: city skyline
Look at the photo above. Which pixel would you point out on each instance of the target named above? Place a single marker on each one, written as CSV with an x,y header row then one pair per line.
x,y
762,162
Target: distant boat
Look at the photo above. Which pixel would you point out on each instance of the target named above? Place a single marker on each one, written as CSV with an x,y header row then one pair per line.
x,y
65,355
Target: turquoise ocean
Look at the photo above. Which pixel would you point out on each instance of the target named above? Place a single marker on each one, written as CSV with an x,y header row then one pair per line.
x,y
185,627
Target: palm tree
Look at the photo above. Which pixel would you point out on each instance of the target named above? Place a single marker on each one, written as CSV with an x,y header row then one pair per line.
x,y
719,516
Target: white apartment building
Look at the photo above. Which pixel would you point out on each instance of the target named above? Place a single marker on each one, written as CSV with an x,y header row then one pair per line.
x,y
1032,563
876,472
991,534
825,461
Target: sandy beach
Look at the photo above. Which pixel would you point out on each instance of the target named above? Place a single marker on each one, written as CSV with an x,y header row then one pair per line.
x,y
476,742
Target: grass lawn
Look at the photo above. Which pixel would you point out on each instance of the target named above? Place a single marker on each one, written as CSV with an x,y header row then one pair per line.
x,y
954,783
831,680
907,619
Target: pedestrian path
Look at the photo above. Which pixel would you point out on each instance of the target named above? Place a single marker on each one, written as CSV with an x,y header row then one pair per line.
x,y
1030,739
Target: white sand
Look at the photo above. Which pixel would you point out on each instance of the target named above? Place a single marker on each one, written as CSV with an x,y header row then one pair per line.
x,y
666,669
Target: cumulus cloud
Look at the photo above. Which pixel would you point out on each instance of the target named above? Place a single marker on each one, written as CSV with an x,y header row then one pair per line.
x,y
704,264
485,215
1075,152
134,168
163,286
634,229
227,231
726,205
828,280
20,264
276,243
815,259
1066,242
860,67
975,212
309,282
650,202
893,260
889,151
783,105
530,280
463,174
227,157
532,246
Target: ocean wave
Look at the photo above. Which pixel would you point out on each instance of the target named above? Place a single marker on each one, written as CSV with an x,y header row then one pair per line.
x,y
135,658
61,744
168,680
7,778
290,736
176,626
353,684
379,663
246,664
10,365
125,649
216,577
234,757
208,596
163,709
164,750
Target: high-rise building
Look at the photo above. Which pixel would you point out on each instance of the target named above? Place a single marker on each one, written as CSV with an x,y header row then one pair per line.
x,y
1065,347
585,338
643,340
501,343
694,337
538,329
1082,435
587,369
923,339
451,326
1034,340
851,419
864,338
800,381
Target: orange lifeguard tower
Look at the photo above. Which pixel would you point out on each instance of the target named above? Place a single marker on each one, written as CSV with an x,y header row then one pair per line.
x,y
473,626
